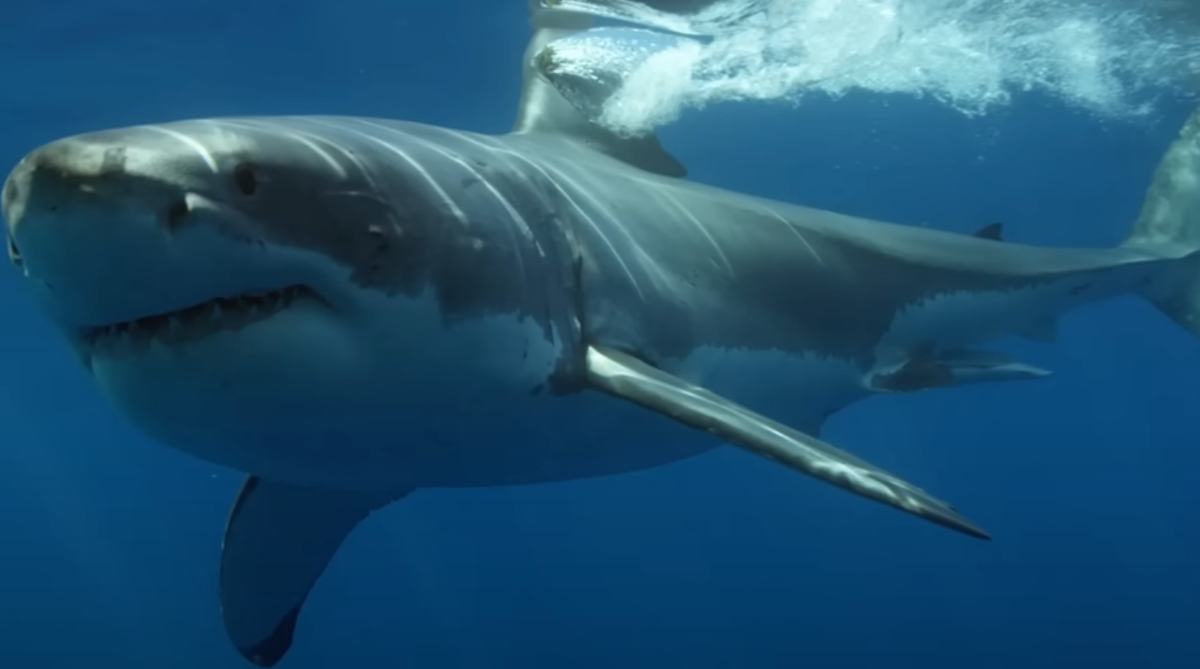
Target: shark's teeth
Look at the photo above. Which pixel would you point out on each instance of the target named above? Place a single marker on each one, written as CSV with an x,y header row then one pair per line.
x,y
194,322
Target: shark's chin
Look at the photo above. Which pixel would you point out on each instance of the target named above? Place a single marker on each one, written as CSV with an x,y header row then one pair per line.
x,y
262,395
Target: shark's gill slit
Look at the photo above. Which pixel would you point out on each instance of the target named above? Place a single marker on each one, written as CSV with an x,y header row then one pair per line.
x,y
14,254
176,213
205,318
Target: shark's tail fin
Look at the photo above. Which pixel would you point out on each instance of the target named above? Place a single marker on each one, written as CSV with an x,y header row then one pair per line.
x,y
1169,226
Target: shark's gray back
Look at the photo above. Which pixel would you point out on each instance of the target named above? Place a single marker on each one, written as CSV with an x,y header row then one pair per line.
x,y
671,265
649,261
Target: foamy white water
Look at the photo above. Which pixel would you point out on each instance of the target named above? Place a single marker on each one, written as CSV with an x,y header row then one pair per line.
x,y
1111,57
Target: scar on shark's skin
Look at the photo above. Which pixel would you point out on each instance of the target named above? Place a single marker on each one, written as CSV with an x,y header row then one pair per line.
x,y
350,309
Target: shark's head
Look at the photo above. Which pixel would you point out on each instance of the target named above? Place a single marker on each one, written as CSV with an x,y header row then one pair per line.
x,y
236,284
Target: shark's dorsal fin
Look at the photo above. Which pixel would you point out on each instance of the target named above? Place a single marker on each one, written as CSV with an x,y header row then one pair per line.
x,y
993,231
544,110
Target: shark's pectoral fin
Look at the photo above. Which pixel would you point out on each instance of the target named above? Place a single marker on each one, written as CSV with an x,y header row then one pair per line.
x,y
278,541
631,379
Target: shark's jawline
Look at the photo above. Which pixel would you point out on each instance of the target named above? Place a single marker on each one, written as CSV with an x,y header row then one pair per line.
x,y
196,322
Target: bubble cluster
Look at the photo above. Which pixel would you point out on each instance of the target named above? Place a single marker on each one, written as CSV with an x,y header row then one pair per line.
x,y
1115,58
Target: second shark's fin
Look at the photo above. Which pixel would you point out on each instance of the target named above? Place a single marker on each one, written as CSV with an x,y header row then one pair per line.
x,y
278,541
992,231
543,109
630,379
664,15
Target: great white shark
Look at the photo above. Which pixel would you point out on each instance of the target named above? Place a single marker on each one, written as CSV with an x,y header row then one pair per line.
x,y
349,309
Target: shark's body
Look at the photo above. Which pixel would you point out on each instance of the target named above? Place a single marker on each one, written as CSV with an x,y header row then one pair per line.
x,y
351,309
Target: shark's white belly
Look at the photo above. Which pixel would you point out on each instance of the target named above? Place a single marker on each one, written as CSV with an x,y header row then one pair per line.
x,y
391,395
797,388
394,399
407,400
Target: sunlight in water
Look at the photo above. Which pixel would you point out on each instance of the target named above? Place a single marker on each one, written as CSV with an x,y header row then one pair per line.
x,y
1110,57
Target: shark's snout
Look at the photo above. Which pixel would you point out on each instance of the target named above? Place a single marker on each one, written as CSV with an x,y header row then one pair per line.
x,y
130,180
117,226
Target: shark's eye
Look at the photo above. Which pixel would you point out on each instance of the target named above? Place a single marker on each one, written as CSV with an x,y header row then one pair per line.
x,y
244,178
13,253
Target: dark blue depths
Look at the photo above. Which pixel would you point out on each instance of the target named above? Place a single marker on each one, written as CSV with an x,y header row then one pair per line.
x,y
1087,480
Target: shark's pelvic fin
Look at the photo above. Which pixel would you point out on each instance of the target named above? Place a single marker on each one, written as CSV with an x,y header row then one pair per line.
x,y
927,369
977,366
633,380
278,541
923,370
544,109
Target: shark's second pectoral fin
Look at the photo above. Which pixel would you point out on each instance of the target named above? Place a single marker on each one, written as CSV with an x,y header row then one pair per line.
x,y
278,541
631,379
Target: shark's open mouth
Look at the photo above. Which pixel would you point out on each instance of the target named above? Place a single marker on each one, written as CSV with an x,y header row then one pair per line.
x,y
194,322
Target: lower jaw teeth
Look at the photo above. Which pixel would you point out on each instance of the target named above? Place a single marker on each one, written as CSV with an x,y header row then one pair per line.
x,y
194,322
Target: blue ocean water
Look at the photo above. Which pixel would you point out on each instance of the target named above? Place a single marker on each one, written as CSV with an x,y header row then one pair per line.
x,y
1087,479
